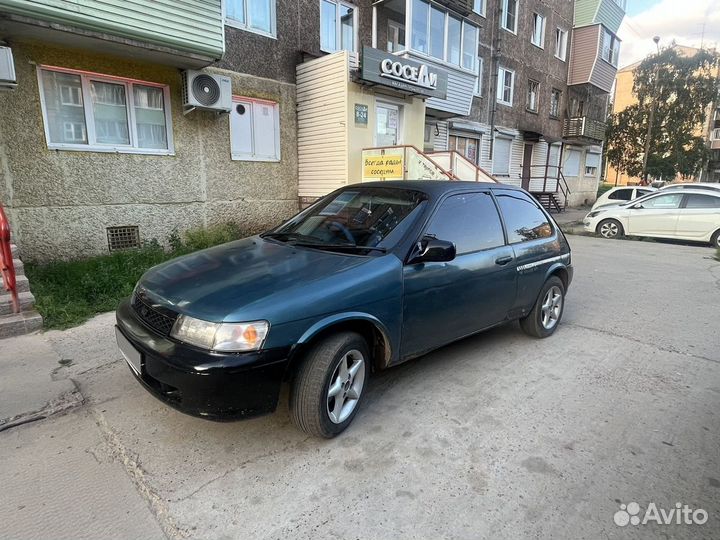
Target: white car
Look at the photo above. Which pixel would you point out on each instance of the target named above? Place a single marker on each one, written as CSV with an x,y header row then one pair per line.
x,y
687,214
692,185
621,194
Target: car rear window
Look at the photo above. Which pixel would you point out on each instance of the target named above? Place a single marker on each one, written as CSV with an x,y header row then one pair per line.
x,y
621,194
524,220
702,201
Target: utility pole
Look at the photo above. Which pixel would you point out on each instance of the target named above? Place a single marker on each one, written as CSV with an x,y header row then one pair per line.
x,y
656,39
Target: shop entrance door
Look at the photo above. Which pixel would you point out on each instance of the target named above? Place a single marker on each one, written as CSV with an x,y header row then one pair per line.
x,y
387,124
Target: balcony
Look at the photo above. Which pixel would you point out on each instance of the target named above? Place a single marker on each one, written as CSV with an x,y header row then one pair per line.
x,y
715,139
582,129
607,12
187,35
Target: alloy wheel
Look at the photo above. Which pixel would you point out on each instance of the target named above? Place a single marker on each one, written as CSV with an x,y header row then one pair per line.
x,y
551,307
346,385
609,229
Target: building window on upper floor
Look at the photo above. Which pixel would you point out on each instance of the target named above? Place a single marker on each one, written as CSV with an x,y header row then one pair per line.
x,y
577,107
254,130
561,37
395,36
532,95
253,15
555,96
538,31
479,7
506,86
508,15
338,24
102,113
611,47
479,81
441,35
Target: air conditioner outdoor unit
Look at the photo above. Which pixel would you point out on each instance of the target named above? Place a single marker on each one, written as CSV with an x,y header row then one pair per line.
x,y
206,91
8,81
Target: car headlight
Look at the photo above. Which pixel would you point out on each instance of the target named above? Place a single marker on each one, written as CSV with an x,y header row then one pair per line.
x,y
226,337
595,213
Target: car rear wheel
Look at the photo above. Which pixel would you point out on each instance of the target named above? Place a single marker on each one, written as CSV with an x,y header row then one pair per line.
x,y
329,385
610,228
545,316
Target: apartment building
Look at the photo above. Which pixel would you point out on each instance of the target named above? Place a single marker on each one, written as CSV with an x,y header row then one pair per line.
x,y
107,139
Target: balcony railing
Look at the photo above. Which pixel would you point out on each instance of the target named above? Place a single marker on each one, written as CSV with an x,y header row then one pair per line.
x,y
582,127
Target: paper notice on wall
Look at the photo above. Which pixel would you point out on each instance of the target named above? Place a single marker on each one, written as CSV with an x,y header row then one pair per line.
x,y
387,167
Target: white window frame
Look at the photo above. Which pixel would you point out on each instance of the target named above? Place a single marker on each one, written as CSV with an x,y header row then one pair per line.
x,y
561,41
503,16
254,156
611,47
483,7
537,96
543,21
479,80
552,92
501,86
444,60
396,28
92,146
338,24
234,23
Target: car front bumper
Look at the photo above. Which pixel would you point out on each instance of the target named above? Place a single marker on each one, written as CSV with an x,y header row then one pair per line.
x,y
209,385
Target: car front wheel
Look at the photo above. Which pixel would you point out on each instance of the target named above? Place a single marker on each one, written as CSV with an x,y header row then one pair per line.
x,y
545,316
715,240
329,385
610,228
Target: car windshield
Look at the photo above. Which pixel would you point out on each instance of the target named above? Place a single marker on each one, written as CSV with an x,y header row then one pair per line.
x,y
356,219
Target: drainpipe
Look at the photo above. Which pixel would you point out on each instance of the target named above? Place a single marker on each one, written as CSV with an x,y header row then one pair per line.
x,y
492,91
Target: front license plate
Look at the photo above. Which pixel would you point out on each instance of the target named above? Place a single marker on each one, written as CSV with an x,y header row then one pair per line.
x,y
131,354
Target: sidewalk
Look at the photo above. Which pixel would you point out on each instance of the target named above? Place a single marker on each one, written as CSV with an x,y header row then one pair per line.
x,y
570,220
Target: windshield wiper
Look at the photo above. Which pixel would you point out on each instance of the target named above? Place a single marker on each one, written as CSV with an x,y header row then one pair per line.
x,y
287,236
320,245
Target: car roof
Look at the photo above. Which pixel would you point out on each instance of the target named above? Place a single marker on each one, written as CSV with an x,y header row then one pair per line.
x,y
435,188
692,185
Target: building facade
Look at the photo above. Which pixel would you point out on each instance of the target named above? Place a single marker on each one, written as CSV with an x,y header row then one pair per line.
x,y
99,148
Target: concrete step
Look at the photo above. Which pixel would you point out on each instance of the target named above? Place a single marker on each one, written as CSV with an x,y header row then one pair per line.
x,y
22,284
14,251
20,323
25,299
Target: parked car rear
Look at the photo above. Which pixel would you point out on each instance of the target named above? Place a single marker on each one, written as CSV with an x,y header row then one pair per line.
x,y
621,194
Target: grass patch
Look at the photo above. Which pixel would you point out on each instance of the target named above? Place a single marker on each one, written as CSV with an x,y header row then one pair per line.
x,y
68,293
602,188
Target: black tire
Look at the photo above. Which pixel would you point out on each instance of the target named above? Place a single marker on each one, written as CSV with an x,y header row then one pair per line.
x,y
610,228
715,240
309,400
533,323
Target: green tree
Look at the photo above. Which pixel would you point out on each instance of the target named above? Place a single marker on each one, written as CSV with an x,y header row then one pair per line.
x,y
679,89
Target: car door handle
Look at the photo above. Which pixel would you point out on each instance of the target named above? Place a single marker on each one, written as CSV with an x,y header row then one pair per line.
x,y
502,261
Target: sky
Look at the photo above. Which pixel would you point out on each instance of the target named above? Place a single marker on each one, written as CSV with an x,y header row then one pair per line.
x,y
688,22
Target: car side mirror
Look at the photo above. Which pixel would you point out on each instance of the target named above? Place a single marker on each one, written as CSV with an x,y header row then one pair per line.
x,y
638,206
433,250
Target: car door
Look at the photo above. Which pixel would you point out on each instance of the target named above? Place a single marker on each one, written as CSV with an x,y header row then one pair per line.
x,y
655,216
535,242
699,216
444,301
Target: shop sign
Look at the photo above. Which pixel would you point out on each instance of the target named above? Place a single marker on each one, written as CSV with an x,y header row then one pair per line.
x,y
403,74
388,166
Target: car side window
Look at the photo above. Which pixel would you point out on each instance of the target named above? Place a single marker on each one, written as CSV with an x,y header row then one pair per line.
x,y
641,192
702,201
621,194
665,202
523,218
470,220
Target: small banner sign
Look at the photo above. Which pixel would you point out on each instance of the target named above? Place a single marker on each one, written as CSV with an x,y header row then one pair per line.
x,y
389,167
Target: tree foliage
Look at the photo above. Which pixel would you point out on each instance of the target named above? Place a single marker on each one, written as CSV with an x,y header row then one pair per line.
x,y
679,88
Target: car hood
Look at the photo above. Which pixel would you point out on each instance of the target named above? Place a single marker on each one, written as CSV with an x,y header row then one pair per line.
x,y
254,279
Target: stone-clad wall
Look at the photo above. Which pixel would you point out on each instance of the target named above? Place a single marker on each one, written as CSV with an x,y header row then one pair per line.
x,y
60,202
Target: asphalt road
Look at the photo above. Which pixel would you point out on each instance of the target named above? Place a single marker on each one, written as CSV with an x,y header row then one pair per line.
x,y
497,436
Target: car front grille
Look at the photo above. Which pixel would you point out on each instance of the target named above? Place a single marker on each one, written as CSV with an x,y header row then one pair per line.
x,y
162,323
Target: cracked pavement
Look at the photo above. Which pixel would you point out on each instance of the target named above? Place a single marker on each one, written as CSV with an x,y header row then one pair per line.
x,y
497,436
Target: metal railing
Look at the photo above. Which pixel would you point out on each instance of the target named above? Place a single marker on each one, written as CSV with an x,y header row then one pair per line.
x,y
553,181
7,267
584,127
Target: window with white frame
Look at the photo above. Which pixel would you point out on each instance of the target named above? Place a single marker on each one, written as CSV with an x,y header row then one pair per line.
x,y
395,36
505,86
592,162
561,43
94,112
254,130
508,15
479,80
538,31
253,15
437,33
479,7
338,23
532,95
501,156
611,47
555,96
